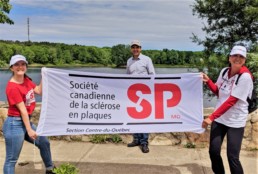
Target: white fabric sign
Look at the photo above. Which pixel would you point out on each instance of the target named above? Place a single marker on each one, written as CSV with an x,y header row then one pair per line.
x,y
76,102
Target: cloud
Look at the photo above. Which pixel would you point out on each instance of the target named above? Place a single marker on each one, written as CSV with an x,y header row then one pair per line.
x,y
157,23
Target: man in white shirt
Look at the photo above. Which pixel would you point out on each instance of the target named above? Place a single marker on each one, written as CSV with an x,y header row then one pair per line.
x,y
139,64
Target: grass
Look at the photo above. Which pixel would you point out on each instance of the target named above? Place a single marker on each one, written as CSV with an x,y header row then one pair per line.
x,y
66,168
190,145
252,149
103,138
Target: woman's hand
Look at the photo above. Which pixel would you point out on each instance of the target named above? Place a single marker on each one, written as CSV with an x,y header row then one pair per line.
x,y
32,134
206,122
25,118
205,77
38,88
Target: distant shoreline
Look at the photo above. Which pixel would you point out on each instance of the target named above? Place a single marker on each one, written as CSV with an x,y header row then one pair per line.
x,y
94,65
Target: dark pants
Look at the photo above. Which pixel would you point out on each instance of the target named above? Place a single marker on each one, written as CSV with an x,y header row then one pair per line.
x,y
141,138
234,141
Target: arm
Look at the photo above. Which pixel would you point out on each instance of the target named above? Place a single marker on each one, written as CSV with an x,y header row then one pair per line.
x,y
127,67
210,84
127,70
25,118
213,87
220,111
150,67
38,89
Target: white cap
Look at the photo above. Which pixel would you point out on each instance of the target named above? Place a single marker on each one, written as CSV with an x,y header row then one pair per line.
x,y
136,42
238,50
17,58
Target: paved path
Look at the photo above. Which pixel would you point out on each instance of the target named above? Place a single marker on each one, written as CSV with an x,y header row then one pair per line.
x,y
118,159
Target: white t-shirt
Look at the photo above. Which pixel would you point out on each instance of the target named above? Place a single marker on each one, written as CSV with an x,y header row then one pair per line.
x,y
235,116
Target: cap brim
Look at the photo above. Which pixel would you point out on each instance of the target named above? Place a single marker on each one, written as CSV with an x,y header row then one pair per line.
x,y
136,45
18,61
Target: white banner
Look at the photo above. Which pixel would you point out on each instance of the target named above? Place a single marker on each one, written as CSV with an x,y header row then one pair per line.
x,y
76,102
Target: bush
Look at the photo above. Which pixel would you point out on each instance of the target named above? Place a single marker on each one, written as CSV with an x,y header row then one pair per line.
x,y
115,138
101,138
189,145
66,169
2,64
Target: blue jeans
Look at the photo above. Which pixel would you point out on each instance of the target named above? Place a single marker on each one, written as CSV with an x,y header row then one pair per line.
x,y
15,133
141,138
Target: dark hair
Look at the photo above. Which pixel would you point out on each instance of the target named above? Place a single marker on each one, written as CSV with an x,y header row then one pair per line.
x,y
26,76
229,64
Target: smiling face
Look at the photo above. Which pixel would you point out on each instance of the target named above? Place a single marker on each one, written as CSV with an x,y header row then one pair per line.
x,y
237,60
136,50
19,68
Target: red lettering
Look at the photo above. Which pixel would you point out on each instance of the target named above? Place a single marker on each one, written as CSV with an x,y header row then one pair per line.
x,y
146,106
173,101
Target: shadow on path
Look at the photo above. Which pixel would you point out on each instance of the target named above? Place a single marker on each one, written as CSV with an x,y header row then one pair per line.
x,y
118,168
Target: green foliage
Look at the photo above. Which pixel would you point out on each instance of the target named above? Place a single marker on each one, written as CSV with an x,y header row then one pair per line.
x,y
120,53
190,145
103,138
98,138
64,55
252,149
115,138
61,54
5,7
5,52
66,169
2,63
252,63
228,22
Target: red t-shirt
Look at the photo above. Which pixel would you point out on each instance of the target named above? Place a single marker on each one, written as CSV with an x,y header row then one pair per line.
x,y
17,93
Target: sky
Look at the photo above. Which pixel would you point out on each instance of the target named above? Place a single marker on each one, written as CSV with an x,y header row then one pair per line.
x,y
158,24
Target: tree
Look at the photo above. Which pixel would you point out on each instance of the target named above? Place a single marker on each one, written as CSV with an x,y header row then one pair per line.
x,y
67,56
5,7
29,54
83,56
41,55
106,56
5,52
228,22
52,55
163,56
93,52
120,53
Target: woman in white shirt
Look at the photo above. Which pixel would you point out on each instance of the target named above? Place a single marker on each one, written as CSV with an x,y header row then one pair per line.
x,y
230,115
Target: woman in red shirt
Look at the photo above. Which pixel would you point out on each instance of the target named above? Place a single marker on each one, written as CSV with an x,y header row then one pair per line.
x,y
17,127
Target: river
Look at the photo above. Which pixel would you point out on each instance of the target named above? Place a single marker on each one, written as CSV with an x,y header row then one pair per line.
x,y
34,73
